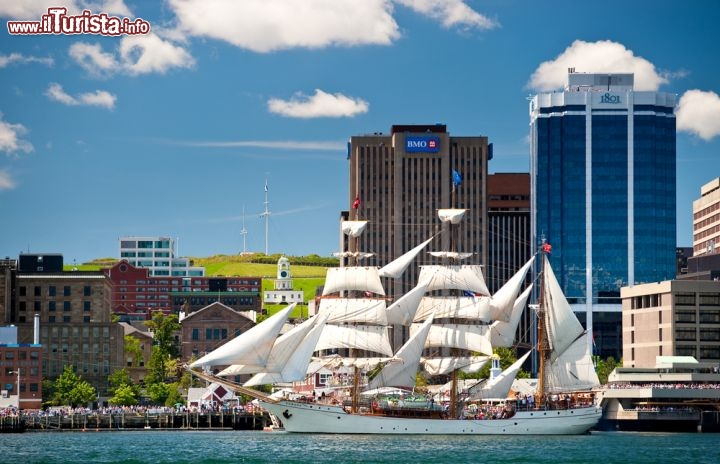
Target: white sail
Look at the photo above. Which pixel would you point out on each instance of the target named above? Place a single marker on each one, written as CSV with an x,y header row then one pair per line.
x,y
466,277
402,371
460,307
503,300
352,254
398,266
503,333
363,363
445,365
353,228
251,348
359,278
362,337
451,215
402,311
360,310
562,325
450,254
289,359
499,387
573,370
463,336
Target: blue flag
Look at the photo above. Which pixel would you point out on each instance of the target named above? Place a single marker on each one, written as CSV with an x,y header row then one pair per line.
x,y
457,178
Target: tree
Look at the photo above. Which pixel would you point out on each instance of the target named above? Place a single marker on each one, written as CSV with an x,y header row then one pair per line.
x,y
159,392
70,389
164,348
125,395
133,350
605,367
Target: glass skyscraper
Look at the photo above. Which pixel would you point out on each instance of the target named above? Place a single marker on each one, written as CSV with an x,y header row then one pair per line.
x,y
603,193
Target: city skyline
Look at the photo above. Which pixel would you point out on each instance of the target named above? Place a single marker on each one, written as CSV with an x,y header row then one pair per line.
x,y
177,132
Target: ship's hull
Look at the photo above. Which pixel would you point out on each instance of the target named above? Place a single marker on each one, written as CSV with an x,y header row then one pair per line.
x,y
317,418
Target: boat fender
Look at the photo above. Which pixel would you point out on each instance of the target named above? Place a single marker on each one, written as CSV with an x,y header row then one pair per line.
x,y
286,414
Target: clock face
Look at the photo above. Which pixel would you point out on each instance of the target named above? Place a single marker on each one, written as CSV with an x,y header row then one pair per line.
x,y
283,274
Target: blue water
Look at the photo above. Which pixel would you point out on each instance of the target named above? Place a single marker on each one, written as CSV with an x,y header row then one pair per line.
x,y
199,447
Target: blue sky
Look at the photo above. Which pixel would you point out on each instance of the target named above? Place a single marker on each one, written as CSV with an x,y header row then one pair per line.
x,y
174,133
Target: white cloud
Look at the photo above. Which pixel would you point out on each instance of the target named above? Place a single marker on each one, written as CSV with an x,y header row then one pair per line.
x,y
7,60
450,13
98,98
268,25
6,182
135,55
33,9
698,112
322,104
596,57
10,141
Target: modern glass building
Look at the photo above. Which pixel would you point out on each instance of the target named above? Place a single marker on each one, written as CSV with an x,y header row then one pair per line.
x,y
604,193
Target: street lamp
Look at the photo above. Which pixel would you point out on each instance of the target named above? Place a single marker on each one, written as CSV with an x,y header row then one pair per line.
x,y
18,386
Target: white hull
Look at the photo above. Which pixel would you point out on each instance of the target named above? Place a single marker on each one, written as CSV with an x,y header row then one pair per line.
x,y
318,418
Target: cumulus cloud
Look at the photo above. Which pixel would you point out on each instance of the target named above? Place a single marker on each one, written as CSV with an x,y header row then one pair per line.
x,y
596,57
450,13
268,25
17,58
135,55
98,98
320,105
10,141
698,112
33,9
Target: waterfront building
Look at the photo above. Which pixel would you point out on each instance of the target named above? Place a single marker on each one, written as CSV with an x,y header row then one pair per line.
x,y
508,202
208,328
74,318
399,180
20,371
136,294
671,318
283,292
136,361
158,255
604,192
706,220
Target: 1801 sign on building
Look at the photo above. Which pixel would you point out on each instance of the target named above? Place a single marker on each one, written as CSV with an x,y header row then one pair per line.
x,y
422,144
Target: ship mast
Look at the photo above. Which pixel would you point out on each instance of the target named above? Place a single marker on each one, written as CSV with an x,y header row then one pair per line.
x,y
543,345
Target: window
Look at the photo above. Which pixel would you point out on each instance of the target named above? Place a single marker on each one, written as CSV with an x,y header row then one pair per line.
x,y
66,290
51,306
22,306
67,319
51,319
23,291
67,306
196,334
86,306
38,291
87,291
51,290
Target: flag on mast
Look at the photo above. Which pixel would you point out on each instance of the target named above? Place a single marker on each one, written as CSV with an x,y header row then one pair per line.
x,y
356,203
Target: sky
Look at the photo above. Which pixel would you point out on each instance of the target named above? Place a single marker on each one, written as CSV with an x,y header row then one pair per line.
x,y
179,129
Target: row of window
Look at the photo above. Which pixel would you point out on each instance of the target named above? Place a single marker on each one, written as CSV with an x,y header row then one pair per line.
x,y
707,210
75,332
52,306
52,290
21,355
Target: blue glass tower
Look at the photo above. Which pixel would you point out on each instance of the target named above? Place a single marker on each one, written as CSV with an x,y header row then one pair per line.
x,y
603,193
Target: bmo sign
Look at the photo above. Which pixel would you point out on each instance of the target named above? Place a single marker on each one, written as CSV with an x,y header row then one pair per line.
x,y
422,144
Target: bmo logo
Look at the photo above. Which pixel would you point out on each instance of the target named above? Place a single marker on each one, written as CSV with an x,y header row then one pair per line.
x,y
415,144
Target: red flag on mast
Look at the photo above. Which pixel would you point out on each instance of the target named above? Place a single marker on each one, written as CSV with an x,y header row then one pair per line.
x,y
356,203
547,248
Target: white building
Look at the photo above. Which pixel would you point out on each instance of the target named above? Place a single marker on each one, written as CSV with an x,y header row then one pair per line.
x,y
283,291
158,255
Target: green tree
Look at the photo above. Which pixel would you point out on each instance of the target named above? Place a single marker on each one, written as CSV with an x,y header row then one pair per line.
x,y
133,350
125,395
159,392
70,389
175,396
605,367
164,347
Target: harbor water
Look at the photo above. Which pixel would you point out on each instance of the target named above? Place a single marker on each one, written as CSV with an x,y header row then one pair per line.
x,y
198,447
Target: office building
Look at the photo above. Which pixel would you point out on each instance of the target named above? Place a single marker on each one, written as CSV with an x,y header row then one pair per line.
x,y
671,318
706,220
158,255
20,371
604,192
399,180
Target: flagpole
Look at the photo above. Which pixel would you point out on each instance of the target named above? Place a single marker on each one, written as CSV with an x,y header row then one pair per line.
x,y
266,215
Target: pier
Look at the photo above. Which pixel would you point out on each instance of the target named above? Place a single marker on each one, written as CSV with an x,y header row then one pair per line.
x,y
147,421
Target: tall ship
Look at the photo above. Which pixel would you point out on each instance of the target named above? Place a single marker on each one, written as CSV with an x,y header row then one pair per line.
x,y
453,323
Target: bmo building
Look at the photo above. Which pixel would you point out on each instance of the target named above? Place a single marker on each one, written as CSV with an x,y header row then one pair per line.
x,y
603,193
399,180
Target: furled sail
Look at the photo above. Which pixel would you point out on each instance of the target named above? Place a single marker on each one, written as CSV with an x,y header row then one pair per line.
x,y
353,228
450,254
251,348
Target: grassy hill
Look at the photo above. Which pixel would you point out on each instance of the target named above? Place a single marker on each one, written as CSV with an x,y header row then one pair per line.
x,y
305,278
